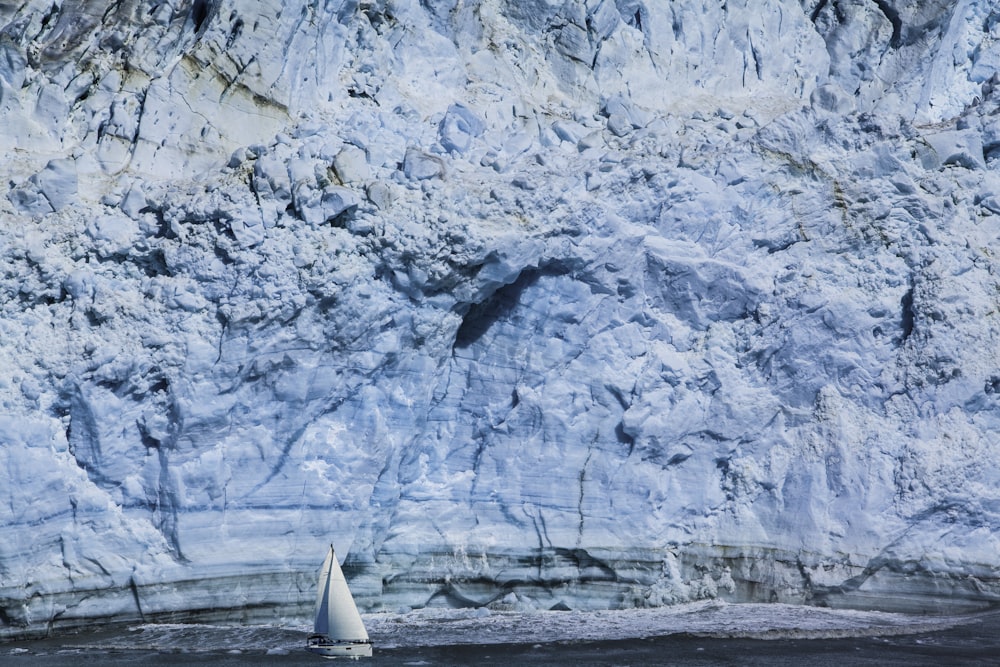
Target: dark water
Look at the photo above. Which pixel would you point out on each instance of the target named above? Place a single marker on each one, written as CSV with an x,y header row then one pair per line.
x,y
933,649
974,641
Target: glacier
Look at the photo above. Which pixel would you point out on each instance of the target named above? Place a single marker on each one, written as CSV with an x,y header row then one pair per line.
x,y
522,304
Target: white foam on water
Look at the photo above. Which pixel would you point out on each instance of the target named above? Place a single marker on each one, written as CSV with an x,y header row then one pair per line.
x,y
444,627
709,619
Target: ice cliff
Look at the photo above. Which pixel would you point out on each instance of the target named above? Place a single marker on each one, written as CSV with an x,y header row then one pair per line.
x,y
525,304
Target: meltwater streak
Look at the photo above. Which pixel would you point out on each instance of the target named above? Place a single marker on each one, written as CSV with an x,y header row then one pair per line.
x,y
709,633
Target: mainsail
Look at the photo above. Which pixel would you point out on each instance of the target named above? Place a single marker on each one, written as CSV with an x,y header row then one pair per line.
x,y
337,616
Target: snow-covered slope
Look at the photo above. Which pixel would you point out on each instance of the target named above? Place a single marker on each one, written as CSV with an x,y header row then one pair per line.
x,y
524,304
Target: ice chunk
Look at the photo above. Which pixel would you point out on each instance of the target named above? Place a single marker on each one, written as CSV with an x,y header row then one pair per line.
x,y
419,166
112,233
351,165
957,147
51,189
134,201
319,205
459,127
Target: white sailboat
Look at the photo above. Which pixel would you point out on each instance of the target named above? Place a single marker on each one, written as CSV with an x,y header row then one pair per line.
x,y
338,630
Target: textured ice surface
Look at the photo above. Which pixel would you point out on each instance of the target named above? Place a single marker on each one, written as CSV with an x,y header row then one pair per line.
x,y
602,304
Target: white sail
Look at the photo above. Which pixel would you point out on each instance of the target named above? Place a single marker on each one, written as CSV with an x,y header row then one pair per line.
x,y
337,616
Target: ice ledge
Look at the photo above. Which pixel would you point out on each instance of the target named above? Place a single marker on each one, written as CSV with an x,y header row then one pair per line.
x,y
556,579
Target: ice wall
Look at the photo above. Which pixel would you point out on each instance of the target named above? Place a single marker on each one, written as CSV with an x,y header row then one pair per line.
x,y
521,304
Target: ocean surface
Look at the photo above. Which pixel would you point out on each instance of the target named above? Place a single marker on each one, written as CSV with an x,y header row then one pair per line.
x,y
709,633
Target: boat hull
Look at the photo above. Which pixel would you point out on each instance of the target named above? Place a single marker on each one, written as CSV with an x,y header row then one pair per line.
x,y
342,649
